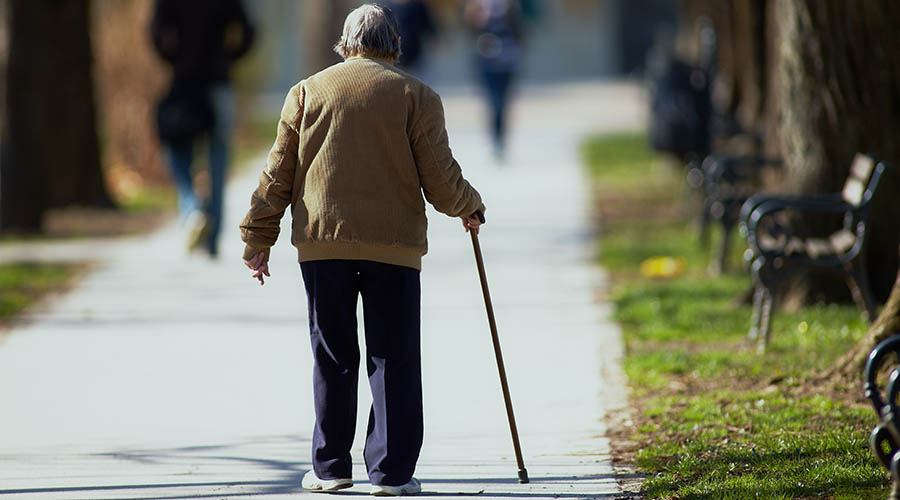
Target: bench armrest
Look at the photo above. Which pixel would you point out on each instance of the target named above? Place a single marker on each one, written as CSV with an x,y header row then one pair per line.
x,y
758,208
822,204
774,203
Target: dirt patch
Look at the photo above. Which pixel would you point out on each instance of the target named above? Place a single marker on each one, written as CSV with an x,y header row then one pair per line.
x,y
616,209
94,222
620,426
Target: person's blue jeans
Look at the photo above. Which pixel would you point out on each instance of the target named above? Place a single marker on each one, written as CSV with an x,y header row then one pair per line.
x,y
391,314
497,85
181,157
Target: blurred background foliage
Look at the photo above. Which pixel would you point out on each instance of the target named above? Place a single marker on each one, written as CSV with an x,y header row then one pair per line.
x,y
566,39
129,80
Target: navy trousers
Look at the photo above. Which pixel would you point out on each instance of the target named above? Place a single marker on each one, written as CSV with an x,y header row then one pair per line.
x,y
392,320
497,83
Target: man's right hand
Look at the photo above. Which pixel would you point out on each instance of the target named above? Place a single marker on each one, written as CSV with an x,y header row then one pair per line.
x,y
471,223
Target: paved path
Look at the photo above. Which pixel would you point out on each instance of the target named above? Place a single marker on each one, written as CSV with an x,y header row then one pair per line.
x,y
162,376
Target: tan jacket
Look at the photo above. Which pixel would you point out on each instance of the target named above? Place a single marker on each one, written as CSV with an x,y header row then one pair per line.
x,y
358,144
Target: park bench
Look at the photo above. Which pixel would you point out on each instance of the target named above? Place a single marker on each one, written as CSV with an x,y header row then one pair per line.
x,y
778,248
726,182
884,442
679,95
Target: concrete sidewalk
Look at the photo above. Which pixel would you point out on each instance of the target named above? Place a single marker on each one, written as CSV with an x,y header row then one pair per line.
x,y
161,376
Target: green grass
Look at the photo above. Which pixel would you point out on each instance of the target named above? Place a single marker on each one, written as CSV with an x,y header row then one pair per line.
x,y
626,166
621,155
22,284
149,199
254,138
736,445
620,254
716,420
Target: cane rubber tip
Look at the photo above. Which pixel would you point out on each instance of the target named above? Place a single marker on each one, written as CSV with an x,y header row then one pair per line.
x,y
523,476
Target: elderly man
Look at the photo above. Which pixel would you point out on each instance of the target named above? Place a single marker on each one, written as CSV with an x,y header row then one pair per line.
x,y
358,143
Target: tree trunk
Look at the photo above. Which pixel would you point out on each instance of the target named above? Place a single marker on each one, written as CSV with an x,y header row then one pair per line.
x,y
821,80
51,153
130,79
743,38
323,23
750,62
852,363
837,90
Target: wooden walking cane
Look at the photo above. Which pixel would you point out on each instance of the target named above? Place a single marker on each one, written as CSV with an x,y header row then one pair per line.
x,y
523,473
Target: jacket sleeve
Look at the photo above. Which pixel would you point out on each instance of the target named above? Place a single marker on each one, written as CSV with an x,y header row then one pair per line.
x,y
439,173
261,225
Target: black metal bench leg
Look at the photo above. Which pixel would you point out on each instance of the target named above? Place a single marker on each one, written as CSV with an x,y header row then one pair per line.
x,y
721,262
895,477
882,444
858,282
758,295
704,224
765,320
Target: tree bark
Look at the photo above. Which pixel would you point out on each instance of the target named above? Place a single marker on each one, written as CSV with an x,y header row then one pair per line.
x,y
821,80
130,79
741,81
323,23
51,154
837,90
750,56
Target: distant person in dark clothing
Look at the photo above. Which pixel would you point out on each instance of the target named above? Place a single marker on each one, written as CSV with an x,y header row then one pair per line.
x,y
200,39
497,26
416,26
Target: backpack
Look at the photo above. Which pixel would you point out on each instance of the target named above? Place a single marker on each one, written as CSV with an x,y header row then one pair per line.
x,y
184,114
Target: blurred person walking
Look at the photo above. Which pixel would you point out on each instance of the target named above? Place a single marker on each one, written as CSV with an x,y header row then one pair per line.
x,y
416,27
200,39
357,146
497,27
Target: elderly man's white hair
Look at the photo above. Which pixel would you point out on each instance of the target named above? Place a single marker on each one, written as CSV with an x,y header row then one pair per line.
x,y
370,30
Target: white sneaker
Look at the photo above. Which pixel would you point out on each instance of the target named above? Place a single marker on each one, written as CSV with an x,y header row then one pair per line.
x,y
196,227
312,482
413,487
